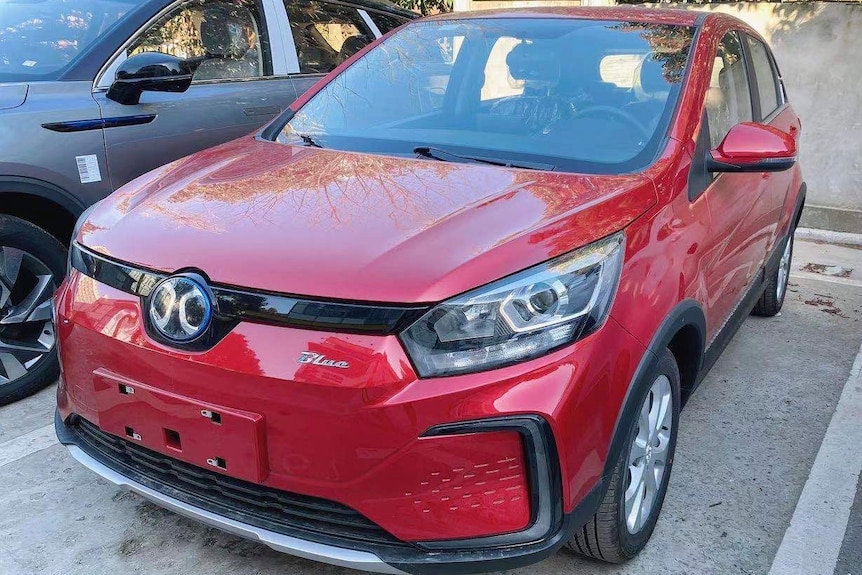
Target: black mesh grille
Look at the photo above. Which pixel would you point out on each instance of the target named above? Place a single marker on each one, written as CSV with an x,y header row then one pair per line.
x,y
271,509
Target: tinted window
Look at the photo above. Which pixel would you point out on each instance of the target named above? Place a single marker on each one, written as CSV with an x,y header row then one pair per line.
x,y
385,22
229,37
528,89
728,100
325,34
767,83
41,38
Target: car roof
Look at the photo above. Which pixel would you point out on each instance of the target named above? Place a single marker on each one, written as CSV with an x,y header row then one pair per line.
x,y
616,13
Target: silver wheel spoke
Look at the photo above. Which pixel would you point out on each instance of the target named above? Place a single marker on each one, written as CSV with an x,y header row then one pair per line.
x,y
634,497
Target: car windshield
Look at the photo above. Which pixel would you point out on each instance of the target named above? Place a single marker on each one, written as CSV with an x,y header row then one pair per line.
x,y
549,93
41,38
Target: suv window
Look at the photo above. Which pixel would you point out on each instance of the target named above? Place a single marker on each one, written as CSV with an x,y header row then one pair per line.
x,y
767,83
728,100
325,34
230,37
386,22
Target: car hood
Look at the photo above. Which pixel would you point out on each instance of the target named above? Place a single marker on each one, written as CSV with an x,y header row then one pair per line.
x,y
12,95
355,226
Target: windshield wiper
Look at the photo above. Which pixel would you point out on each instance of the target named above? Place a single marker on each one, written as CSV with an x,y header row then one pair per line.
x,y
446,156
309,141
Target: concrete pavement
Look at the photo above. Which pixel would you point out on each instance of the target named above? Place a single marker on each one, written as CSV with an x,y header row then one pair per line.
x,y
747,443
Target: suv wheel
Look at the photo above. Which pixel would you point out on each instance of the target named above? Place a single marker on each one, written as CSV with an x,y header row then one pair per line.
x,y
636,491
772,299
32,264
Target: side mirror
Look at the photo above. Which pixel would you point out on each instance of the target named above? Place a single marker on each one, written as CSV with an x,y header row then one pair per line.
x,y
750,147
151,71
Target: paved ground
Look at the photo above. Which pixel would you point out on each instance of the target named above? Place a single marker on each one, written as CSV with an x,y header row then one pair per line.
x,y
747,443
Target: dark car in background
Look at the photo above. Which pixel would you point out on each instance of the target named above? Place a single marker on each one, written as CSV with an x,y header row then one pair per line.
x,y
94,93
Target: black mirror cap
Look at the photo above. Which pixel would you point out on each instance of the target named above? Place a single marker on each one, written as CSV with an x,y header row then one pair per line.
x,y
153,72
759,166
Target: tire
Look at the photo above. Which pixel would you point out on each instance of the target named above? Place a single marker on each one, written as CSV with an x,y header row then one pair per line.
x,y
32,262
775,291
607,536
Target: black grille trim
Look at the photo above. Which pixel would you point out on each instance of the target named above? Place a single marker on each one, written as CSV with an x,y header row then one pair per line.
x,y
272,509
238,304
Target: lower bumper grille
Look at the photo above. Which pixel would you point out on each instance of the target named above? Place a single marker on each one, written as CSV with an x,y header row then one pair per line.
x,y
271,509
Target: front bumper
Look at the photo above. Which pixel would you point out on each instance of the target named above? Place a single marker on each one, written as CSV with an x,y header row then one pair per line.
x,y
373,555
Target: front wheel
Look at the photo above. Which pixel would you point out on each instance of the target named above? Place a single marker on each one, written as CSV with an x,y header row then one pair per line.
x,y
632,503
32,264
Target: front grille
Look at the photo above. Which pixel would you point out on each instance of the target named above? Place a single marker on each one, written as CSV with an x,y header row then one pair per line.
x,y
264,507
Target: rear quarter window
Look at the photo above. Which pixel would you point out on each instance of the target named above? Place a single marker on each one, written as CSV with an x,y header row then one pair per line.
x,y
764,72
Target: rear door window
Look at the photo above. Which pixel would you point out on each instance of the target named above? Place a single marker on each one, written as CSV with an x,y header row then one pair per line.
x,y
325,34
764,72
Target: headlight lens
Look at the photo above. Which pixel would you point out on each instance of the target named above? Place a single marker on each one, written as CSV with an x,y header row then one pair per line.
x,y
519,317
78,225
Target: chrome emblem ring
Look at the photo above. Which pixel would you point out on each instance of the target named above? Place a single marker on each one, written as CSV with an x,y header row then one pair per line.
x,y
180,308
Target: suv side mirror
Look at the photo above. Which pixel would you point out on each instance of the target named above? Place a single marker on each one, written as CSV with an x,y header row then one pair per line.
x,y
151,71
750,147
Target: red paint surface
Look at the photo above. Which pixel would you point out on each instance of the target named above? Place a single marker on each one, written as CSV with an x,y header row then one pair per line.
x,y
373,228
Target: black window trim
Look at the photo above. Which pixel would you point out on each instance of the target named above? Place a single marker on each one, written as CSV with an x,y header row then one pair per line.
x,y
402,19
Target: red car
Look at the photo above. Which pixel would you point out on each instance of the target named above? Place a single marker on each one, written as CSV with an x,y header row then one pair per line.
x,y
441,317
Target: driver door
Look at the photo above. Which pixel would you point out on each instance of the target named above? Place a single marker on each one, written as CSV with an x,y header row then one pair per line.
x,y
233,92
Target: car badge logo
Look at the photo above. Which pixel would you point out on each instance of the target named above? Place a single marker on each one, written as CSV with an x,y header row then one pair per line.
x,y
180,308
321,360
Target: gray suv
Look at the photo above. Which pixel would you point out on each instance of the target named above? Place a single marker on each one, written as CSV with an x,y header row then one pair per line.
x,y
94,93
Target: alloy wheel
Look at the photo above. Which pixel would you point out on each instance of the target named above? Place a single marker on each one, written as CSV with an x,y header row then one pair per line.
x,y
784,270
26,330
648,454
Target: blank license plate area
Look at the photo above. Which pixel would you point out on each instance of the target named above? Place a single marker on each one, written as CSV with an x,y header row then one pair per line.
x,y
224,440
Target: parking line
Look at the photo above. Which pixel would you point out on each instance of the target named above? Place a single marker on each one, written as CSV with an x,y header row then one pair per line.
x,y
812,542
24,445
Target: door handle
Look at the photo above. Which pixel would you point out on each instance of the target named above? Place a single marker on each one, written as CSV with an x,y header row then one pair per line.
x,y
262,110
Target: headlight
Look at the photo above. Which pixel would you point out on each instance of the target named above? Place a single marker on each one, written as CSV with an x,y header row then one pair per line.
x,y
519,317
78,224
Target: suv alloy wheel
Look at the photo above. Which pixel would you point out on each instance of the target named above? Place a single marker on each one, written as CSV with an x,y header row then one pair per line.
x,y
32,265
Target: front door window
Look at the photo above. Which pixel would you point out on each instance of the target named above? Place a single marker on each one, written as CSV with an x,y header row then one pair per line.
x,y
228,37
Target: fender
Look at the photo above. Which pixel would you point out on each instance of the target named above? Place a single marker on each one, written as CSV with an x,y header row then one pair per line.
x,y
43,189
686,313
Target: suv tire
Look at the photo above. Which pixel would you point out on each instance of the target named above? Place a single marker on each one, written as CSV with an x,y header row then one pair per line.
x,y
772,299
32,265
607,536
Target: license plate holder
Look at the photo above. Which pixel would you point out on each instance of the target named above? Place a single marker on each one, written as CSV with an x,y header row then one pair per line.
x,y
211,436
